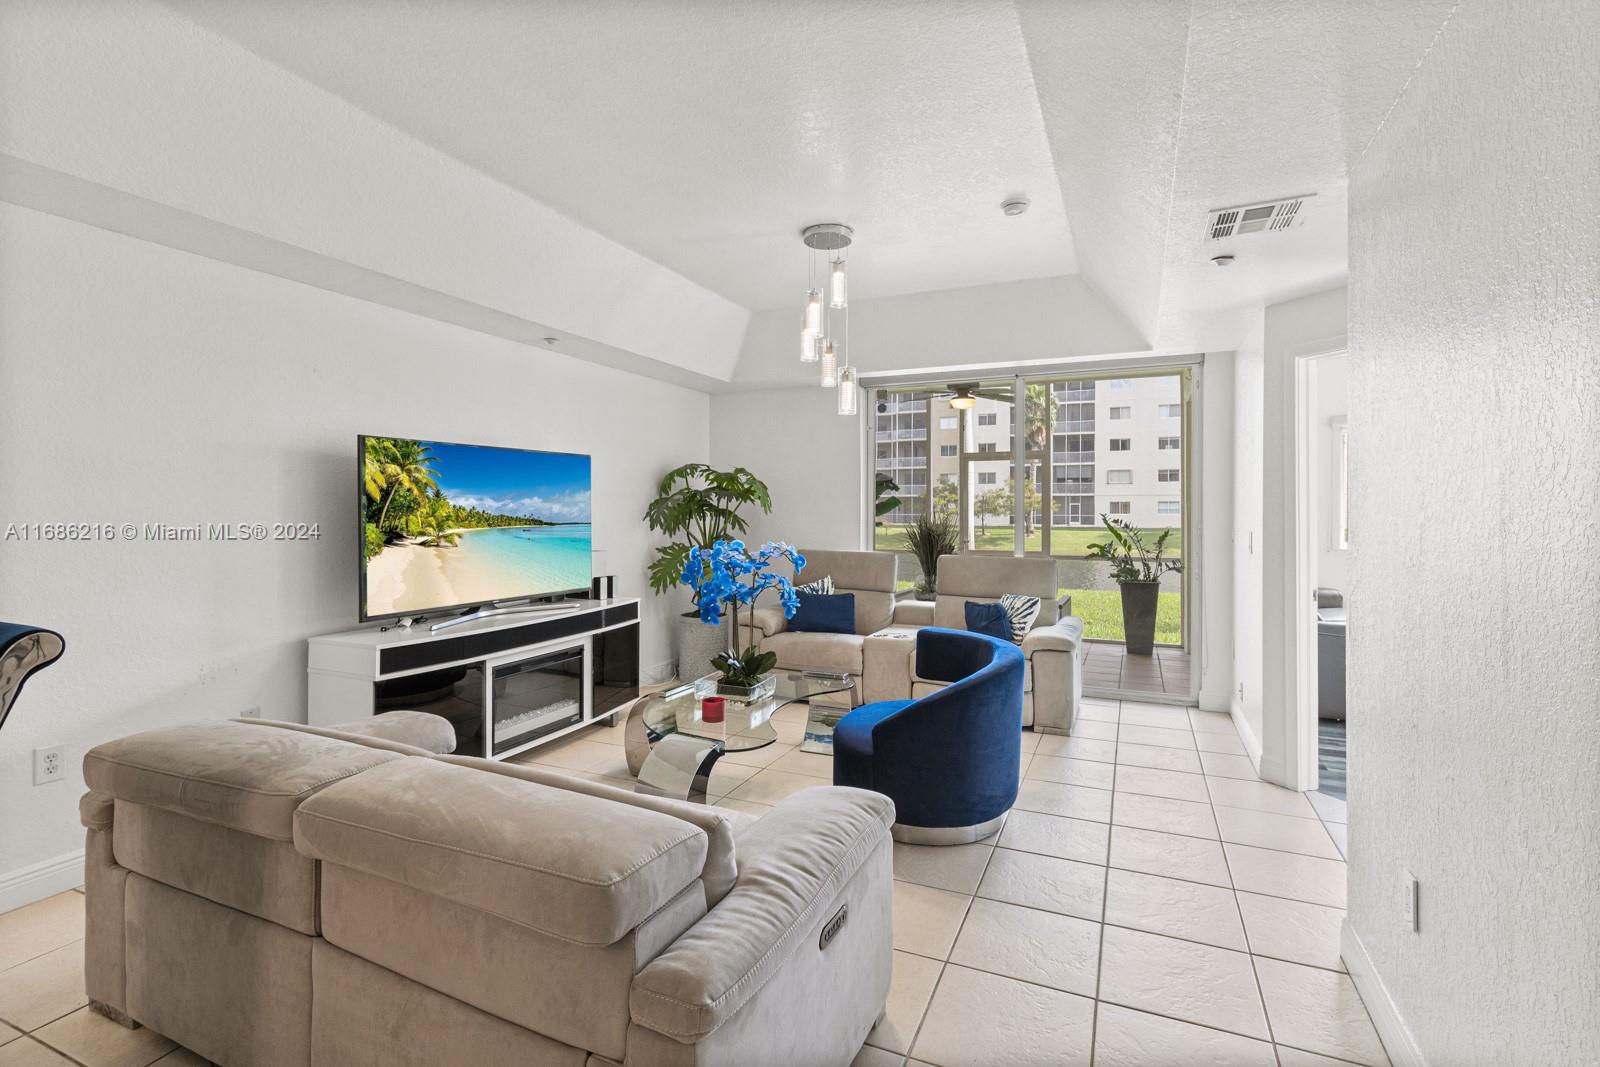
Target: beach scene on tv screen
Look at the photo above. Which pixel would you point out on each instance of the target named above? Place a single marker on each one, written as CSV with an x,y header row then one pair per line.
x,y
447,524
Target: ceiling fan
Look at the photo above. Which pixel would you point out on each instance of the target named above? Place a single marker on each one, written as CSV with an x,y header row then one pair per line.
x,y
962,395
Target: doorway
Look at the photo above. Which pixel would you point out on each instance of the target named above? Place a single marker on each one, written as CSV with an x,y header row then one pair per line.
x,y
1323,562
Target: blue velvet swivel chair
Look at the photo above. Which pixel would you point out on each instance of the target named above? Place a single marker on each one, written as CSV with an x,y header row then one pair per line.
x,y
951,760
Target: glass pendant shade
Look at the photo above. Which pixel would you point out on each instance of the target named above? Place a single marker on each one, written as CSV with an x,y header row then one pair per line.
x,y
830,365
808,346
814,311
836,285
847,391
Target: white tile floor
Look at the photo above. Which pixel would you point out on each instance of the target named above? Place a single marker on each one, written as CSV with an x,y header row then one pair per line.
x,y
1148,902
1141,907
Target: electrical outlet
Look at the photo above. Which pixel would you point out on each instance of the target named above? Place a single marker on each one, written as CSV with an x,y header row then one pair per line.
x,y
49,764
1408,901
250,713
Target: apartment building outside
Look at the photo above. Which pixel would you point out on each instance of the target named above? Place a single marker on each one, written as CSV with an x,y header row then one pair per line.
x,y
1115,449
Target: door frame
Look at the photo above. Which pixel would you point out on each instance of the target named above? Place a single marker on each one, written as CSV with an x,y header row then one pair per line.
x,y
1299,751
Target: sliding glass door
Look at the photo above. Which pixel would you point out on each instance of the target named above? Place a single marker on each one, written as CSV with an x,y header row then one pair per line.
x,y
1088,449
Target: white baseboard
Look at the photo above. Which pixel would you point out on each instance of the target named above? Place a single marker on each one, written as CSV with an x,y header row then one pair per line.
x,y
45,879
1247,736
1396,1036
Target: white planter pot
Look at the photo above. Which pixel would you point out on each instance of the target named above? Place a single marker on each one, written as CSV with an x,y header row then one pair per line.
x,y
697,643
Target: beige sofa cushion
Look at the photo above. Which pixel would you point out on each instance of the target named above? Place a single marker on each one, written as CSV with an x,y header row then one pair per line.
x,y
973,576
234,774
834,653
718,823
577,867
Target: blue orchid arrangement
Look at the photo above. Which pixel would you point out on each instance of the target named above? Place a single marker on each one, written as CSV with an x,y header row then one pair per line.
x,y
728,574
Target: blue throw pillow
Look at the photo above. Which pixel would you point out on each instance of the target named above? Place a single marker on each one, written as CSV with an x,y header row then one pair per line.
x,y
989,619
825,614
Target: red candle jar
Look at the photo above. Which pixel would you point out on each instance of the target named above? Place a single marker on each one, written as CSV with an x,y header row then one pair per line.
x,y
711,709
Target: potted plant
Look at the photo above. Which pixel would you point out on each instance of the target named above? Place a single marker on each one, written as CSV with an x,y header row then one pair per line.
x,y
1137,571
929,538
697,505
715,576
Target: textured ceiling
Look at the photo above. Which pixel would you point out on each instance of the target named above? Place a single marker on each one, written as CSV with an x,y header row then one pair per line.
x,y
703,134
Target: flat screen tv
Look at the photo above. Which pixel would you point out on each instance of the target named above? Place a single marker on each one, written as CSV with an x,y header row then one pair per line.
x,y
446,526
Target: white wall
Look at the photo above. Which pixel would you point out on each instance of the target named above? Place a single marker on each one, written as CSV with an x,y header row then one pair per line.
x,y
1330,389
1264,519
1248,457
1474,665
135,97
809,455
1215,655
139,384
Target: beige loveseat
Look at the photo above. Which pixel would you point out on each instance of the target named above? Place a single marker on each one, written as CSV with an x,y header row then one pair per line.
x,y
283,896
1053,677
870,576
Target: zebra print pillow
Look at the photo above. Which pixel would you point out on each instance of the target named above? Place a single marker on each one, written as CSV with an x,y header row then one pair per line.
x,y
1021,610
822,586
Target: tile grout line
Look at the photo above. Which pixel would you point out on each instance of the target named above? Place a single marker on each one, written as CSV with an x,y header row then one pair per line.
x,y
1244,928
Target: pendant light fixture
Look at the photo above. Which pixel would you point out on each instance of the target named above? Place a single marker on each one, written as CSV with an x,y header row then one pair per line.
x,y
825,334
847,391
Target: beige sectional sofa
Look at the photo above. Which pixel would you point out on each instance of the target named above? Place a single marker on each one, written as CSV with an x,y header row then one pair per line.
x,y
1052,681
277,895
880,654
868,575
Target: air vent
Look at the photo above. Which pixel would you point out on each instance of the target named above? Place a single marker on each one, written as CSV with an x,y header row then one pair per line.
x,y
1255,218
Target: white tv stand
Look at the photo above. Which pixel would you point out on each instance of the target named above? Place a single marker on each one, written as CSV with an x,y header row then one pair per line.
x,y
507,680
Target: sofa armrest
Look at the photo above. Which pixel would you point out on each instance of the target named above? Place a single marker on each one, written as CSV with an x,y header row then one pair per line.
x,y
1066,635
1063,605
792,864
913,613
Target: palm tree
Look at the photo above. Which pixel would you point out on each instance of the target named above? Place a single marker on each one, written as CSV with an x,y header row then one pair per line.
x,y
1040,413
438,520
395,464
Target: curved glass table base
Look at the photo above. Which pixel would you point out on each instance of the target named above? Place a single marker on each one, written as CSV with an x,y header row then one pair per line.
x,y
671,749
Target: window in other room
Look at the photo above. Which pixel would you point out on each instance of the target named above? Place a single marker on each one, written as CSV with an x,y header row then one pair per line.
x,y
1168,444
1121,444
1119,507
1171,411
1168,507
1119,477
1167,474
987,478
1123,412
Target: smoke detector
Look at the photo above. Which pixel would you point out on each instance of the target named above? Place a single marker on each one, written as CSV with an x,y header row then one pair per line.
x,y
1223,260
1017,205
1267,216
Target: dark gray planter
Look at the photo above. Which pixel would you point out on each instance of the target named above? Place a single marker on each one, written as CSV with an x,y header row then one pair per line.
x,y
1139,616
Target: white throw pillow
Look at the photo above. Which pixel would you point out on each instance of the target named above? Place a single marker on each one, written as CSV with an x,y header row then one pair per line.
x,y
1021,610
822,586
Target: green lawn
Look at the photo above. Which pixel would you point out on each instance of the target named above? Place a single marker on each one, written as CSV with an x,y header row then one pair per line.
x,y
1101,612
1064,541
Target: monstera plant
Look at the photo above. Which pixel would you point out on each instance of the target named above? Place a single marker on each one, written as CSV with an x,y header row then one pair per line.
x,y
696,506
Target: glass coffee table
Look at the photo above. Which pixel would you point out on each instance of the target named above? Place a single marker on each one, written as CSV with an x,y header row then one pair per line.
x,y
671,748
